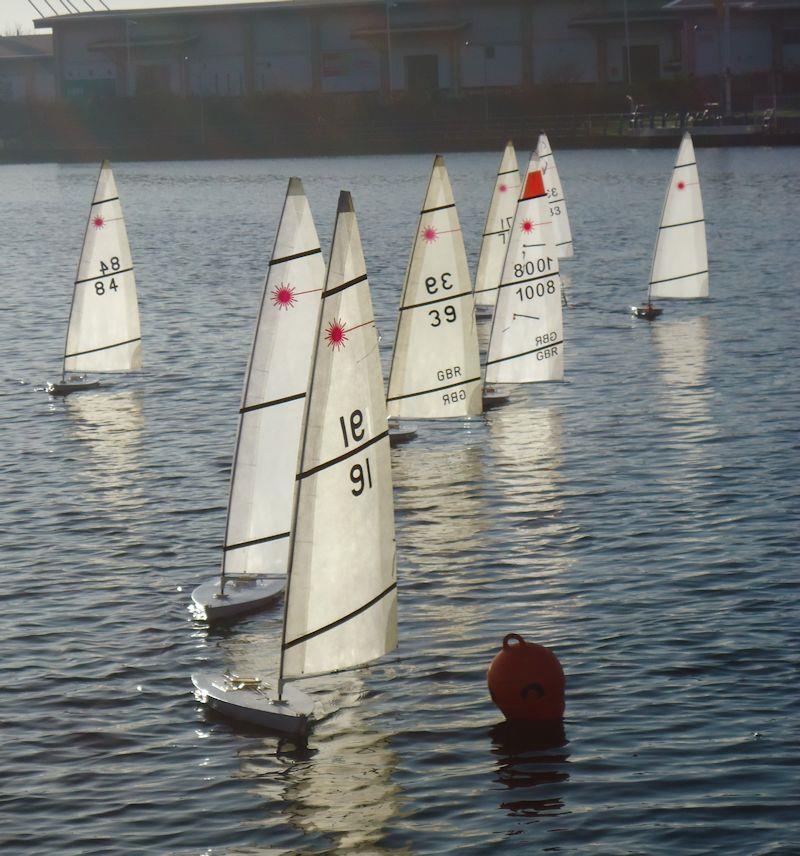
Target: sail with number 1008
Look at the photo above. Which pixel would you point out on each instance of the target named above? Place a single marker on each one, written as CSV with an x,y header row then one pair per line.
x,y
255,552
497,228
341,594
435,371
556,199
103,333
527,339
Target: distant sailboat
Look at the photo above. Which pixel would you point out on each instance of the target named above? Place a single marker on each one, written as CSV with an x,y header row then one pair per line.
x,y
680,258
496,230
527,339
435,371
341,596
256,550
103,333
562,232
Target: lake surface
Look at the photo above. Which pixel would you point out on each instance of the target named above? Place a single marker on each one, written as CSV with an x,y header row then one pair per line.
x,y
640,518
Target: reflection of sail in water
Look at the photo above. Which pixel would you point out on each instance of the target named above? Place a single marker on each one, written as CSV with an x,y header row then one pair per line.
x,y
345,791
682,348
110,424
527,447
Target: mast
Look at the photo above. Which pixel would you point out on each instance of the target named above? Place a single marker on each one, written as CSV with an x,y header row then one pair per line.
x,y
680,258
526,344
268,438
340,609
103,333
435,369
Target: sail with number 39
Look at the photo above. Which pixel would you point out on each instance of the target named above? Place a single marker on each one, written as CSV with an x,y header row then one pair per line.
x,y
435,370
497,228
527,339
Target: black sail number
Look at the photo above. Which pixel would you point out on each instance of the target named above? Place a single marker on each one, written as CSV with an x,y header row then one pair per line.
x,y
361,477
101,288
448,313
113,265
433,284
352,428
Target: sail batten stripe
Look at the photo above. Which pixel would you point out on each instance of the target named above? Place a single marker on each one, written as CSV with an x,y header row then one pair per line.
x,y
266,539
530,279
295,256
339,621
523,353
104,348
438,208
101,201
554,201
436,300
103,276
686,223
343,286
561,243
284,400
682,276
343,457
435,389
499,232
508,172
682,165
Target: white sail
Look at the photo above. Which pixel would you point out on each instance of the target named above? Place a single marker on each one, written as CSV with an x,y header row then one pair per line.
x,y
341,601
103,333
527,339
562,233
271,416
436,364
680,259
498,225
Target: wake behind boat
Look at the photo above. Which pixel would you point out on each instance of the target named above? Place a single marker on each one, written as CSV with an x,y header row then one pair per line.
x,y
103,332
256,549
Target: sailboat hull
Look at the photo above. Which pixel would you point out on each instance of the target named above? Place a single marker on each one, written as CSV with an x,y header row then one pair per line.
x,y
240,597
400,434
648,313
494,398
66,387
252,701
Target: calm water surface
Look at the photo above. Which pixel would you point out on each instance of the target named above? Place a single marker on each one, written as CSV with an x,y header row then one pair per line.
x,y
641,519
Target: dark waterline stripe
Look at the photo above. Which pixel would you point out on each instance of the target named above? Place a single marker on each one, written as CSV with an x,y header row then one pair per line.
x,y
439,208
343,286
687,223
295,256
682,276
103,276
241,544
104,348
524,353
435,389
340,621
436,300
343,457
251,407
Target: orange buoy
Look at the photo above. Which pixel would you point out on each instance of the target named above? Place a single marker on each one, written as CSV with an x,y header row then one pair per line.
x,y
526,681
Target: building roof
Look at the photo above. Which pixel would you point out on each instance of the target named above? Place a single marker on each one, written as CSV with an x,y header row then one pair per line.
x,y
737,5
34,46
210,9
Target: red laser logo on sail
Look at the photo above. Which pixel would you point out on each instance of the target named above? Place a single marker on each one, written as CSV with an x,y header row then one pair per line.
x,y
336,334
429,234
503,188
681,185
527,226
283,296
98,222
